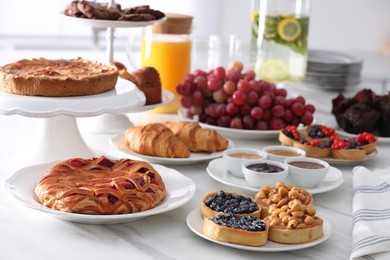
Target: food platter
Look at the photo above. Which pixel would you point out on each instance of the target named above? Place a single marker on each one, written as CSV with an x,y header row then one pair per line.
x,y
119,142
195,224
218,171
20,186
242,134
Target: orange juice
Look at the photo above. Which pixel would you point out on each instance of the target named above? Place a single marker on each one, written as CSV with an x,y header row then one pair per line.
x,y
171,57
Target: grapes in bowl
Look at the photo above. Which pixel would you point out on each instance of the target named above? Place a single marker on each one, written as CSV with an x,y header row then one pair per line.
x,y
235,99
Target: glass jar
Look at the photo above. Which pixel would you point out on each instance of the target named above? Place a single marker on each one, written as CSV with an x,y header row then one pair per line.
x,y
282,28
167,46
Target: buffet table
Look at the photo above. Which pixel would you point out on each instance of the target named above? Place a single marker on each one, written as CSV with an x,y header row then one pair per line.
x,y
30,234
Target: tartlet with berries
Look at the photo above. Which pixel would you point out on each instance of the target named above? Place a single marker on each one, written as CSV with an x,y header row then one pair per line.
x,y
319,132
214,203
236,229
329,144
314,148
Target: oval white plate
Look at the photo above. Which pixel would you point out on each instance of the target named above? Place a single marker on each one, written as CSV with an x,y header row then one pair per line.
x,y
111,23
242,134
166,96
119,142
331,122
195,223
368,157
218,171
179,190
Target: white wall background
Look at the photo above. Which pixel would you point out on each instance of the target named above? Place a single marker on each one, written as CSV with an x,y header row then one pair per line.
x,y
351,25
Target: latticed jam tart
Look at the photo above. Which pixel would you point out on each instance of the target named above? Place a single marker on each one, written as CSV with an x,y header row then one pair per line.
x,y
57,78
101,186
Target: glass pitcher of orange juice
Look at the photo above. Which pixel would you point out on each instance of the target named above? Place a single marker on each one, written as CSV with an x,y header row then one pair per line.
x,y
166,46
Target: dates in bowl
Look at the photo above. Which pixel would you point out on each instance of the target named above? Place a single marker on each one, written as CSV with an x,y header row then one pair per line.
x,y
233,98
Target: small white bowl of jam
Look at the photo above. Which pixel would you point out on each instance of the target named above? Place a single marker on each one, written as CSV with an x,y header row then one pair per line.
x,y
235,157
280,153
259,173
307,172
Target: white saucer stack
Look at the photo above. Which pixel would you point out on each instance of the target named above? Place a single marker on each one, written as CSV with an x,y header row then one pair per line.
x,y
332,70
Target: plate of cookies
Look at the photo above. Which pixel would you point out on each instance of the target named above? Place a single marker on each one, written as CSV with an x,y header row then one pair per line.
x,y
103,15
100,190
291,226
180,142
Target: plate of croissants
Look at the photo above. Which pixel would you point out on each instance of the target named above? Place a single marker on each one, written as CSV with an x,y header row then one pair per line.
x,y
181,142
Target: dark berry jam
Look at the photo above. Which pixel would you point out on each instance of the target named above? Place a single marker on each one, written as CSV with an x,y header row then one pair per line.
x,y
226,203
264,167
248,223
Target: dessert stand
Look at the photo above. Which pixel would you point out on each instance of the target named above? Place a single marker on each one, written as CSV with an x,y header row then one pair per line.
x,y
112,123
57,136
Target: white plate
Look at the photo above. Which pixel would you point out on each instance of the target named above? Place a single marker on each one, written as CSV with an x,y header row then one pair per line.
x,y
331,122
335,161
195,223
218,171
179,190
242,134
122,98
119,142
111,23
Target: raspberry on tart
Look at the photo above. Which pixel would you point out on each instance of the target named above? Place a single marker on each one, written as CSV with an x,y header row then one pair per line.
x,y
366,141
101,186
288,135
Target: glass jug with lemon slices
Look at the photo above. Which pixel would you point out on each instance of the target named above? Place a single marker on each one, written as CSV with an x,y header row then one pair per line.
x,y
280,29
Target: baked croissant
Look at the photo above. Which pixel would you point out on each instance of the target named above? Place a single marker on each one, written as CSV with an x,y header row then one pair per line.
x,y
198,139
156,140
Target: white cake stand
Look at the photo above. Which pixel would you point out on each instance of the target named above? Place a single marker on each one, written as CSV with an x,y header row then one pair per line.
x,y
111,123
56,136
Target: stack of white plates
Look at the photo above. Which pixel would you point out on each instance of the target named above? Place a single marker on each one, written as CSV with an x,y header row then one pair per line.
x,y
332,70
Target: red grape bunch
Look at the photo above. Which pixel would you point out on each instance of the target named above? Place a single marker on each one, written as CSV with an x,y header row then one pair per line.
x,y
235,99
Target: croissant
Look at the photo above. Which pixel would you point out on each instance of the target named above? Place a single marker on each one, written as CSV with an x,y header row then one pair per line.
x,y
156,140
198,139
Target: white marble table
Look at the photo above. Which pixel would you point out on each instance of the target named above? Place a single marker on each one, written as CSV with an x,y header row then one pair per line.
x,y
29,234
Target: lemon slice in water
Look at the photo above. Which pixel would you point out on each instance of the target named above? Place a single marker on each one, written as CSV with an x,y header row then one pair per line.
x,y
289,29
274,70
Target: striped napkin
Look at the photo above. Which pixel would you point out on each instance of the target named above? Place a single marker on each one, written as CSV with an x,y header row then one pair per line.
x,y
371,214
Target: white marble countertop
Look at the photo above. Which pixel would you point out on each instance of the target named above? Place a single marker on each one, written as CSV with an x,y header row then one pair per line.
x,y
29,234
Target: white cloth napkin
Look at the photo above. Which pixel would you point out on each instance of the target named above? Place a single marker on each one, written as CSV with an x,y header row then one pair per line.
x,y
371,214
